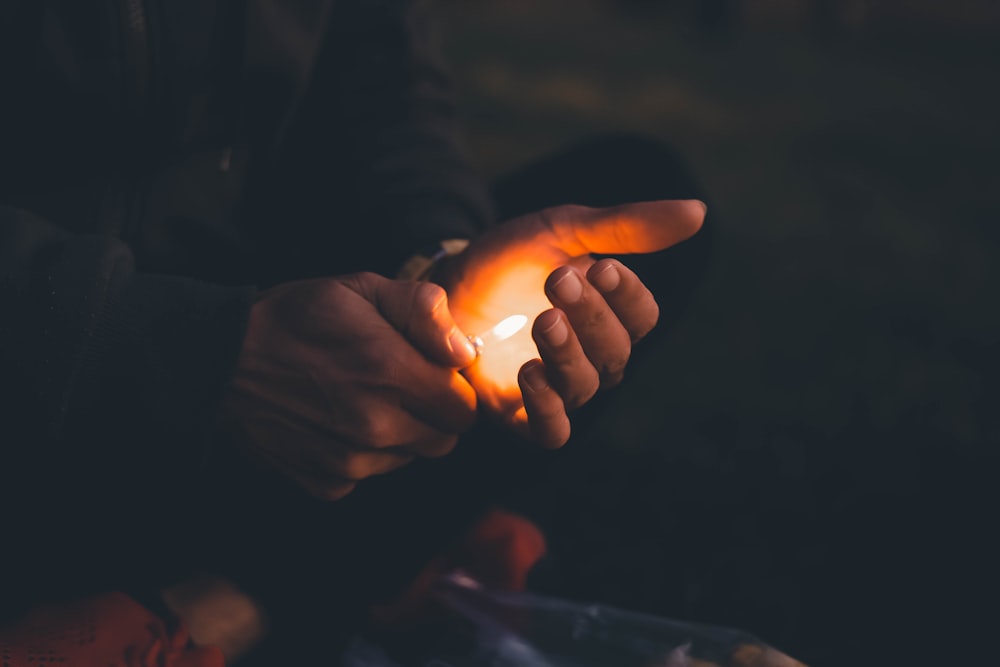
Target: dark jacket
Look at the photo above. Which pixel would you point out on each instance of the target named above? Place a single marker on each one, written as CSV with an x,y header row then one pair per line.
x,y
159,162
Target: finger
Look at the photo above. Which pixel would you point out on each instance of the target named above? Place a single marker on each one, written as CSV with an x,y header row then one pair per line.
x,y
374,441
630,228
436,396
567,367
335,470
310,447
346,465
442,399
602,336
548,424
434,448
389,366
628,297
394,429
328,492
285,449
420,312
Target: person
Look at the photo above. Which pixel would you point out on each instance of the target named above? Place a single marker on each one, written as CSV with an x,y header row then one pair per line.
x,y
241,256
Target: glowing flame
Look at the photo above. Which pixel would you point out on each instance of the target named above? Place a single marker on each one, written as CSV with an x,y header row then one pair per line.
x,y
509,326
501,350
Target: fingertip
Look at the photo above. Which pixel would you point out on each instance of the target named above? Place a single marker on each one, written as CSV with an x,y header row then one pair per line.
x,y
545,320
328,492
699,217
533,376
462,350
550,328
553,438
565,284
605,276
543,411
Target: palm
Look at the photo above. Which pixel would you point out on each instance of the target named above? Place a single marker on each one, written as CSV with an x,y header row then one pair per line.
x,y
503,273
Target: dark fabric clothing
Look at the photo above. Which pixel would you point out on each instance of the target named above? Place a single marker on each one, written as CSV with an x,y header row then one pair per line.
x,y
161,161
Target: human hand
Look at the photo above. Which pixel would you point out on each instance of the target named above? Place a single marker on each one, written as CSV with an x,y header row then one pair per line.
x,y
344,378
526,266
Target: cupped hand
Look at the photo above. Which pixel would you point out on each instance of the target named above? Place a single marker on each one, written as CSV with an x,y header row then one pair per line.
x,y
584,314
344,378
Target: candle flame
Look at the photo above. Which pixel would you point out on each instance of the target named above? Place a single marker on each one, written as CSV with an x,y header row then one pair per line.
x,y
509,326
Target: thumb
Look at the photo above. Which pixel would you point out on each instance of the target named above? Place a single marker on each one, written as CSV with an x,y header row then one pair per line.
x,y
638,227
420,312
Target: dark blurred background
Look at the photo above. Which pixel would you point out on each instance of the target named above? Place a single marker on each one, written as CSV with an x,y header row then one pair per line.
x,y
811,454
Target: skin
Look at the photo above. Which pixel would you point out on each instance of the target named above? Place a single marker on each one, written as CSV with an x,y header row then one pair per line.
x,y
343,378
598,309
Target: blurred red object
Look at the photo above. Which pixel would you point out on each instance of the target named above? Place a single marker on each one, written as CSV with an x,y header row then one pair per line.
x,y
499,551
110,630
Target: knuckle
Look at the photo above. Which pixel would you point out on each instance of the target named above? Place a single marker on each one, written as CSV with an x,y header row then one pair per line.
x,y
643,329
654,315
547,409
354,467
372,357
367,277
334,492
440,447
597,318
558,441
551,217
371,429
384,366
644,319
329,491
429,297
360,282
613,370
548,217
554,436
584,389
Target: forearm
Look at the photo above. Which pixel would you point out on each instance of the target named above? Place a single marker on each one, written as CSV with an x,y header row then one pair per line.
x,y
104,368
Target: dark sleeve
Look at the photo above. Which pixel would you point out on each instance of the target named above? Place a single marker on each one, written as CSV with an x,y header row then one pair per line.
x,y
381,113
105,374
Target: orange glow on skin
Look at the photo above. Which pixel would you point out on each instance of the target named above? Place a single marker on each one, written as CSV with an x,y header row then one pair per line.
x,y
517,289
503,273
501,356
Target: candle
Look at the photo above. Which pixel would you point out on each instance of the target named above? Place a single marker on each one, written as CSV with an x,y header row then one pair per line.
x,y
502,331
502,350
499,306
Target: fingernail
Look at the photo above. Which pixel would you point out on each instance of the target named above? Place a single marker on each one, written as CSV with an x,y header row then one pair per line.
x,y
704,206
557,333
607,279
461,346
569,288
534,377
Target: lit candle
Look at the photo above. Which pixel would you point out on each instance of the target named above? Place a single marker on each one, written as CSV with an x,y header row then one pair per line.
x,y
502,331
499,307
502,350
